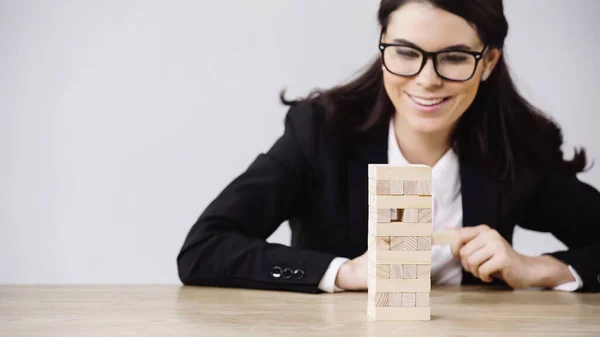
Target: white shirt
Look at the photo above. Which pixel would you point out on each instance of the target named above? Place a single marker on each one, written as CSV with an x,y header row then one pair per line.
x,y
447,212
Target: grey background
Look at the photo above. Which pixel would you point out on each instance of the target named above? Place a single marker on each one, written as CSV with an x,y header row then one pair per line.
x,y
121,120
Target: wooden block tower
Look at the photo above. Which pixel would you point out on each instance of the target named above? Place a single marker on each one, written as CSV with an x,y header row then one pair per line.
x,y
399,242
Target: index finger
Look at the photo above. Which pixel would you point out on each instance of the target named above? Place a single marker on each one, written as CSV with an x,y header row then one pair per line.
x,y
465,235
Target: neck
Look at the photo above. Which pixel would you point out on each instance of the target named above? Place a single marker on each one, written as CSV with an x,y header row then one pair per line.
x,y
418,147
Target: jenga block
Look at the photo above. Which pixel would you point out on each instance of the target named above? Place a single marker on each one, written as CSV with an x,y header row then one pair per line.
x,y
395,299
423,271
394,172
370,240
382,271
400,229
410,243
408,299
424,243
409,215
443,237
396,271
394,215
379,186
397,187
400,285
422,300
382,299
409,271
400,314
400,201
380,215
396,243
425,215
417,187
398,257
382,243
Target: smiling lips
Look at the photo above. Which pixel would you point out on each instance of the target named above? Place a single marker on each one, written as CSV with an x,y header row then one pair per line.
x,y
428,103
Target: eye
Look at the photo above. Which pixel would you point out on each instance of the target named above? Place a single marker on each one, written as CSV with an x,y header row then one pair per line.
x,y
455,57
406,53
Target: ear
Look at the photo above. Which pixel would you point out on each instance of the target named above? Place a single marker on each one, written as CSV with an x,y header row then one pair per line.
x,y
490,60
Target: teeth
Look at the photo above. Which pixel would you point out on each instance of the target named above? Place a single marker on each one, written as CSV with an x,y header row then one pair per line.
x,y
424,101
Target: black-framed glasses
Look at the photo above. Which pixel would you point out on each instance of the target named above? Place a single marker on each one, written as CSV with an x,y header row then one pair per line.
x,y
408,60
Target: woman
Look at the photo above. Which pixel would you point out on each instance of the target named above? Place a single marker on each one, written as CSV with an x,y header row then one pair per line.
x,y
441,95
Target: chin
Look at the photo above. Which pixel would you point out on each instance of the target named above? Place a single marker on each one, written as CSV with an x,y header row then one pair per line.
x,y
427,125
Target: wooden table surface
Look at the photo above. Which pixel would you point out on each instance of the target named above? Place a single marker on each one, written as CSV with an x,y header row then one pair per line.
x,y
194,311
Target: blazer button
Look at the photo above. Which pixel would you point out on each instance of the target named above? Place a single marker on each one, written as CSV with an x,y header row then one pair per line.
x,y
298,274
276,272
287,273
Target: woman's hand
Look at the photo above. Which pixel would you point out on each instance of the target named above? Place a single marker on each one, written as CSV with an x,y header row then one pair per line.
x,y
352,275
484,253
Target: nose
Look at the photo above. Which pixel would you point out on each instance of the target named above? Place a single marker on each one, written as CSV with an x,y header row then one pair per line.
x,y
428,78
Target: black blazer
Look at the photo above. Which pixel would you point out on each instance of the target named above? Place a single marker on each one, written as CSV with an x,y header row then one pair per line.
x,y
316,177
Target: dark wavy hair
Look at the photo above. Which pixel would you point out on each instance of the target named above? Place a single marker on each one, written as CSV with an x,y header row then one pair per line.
x,y
500,131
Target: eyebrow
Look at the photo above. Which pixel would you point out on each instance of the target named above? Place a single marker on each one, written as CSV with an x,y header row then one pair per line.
x,y
453,47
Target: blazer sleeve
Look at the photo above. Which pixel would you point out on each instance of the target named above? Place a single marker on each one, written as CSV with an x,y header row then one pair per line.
x,y
570,209
226,247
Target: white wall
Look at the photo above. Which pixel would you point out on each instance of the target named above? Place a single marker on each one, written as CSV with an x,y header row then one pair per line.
x,y
116,116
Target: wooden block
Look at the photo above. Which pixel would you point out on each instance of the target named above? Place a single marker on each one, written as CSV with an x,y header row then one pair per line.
x,y
410,243
399,257
394,215
396,242
397,187
444,237
396,271
380,271
379,186
399,314
400,285
409,271
382,299
370,240
422,300
382,243
424,243
425,215
409,215
401,201
379,215
423,271
417,187
397,172
400,229
395,299
409,299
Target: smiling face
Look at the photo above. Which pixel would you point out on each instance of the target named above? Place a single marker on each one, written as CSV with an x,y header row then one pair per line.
x,y
425,102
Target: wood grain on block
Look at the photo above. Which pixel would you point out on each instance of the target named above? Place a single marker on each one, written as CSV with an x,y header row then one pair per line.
x,y
379,186
409,271
400,314
422,300
382,243
397,187
423,271
424,243
399,257
382,299
410,243
381,271
400,285
400,229
383,215
395,299
401,201
417,187
399,172
396,243
425,215
409,215
409,299
395,271
444,237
